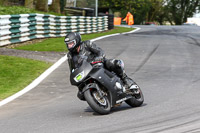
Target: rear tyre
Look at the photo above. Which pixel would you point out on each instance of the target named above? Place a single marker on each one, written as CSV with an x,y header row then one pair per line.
x,y
98,104
137,99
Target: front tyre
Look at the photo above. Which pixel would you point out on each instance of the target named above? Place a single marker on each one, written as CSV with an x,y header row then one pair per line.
x,y
137,99
98,104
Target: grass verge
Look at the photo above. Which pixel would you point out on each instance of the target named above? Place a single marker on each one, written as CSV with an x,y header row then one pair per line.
x,y
11,10
16,73
57,44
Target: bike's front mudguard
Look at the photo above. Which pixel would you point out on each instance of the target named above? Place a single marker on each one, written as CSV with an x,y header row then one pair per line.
x,y
80,93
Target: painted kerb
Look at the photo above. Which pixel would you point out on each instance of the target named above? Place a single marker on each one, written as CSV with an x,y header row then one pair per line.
x,y
24,27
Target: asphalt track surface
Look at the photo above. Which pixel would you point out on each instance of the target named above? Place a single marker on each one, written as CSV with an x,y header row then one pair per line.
x,y
163,60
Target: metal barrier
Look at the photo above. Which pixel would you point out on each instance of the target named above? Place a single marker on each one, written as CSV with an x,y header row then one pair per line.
x,y
24,27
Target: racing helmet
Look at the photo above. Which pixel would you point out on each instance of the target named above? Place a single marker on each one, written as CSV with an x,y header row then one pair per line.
x,y
73,41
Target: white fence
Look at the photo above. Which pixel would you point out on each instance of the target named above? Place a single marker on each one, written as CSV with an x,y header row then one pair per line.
x,y
24,27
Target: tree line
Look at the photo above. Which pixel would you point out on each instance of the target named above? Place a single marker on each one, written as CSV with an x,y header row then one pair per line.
x,y
172,11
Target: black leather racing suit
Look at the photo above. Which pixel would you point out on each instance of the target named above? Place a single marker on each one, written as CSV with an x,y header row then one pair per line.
x,y
89,49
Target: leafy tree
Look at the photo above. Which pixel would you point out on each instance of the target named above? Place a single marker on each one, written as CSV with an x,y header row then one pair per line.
x,y
55,6
139,8
155,7
174,11
4,2
42,5
179,10
29,3
1,2
62,5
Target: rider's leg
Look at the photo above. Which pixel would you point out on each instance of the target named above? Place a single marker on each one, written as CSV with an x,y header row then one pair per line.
x,y
117,66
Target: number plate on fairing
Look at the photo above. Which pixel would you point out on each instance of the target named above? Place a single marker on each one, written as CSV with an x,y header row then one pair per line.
x,y
79,77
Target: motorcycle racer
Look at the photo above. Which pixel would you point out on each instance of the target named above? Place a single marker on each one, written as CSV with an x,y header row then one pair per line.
x,y
78,48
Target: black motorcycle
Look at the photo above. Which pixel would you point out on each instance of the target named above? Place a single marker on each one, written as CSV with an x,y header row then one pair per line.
x,y
103,89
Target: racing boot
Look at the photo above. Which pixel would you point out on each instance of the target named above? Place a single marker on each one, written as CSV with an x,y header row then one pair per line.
x,y
128,82
130,86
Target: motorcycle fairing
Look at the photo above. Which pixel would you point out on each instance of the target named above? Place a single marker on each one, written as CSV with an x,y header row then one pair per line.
x,y
84,70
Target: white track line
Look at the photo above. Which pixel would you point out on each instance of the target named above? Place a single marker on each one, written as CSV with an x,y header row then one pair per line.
x,y
50,70
98,38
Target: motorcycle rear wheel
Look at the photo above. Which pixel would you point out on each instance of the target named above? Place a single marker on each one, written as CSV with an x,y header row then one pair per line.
x,y
99,105
137,99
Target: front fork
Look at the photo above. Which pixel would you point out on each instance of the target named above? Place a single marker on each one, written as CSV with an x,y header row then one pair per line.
x,y
80,94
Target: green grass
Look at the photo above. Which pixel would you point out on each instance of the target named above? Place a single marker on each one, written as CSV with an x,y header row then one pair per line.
x,y
16,73
57,44
11,10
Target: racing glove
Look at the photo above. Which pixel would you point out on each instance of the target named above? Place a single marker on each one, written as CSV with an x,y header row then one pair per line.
x,y
98,59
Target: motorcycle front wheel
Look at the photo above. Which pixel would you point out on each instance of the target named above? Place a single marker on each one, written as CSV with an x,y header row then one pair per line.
x,y
99,104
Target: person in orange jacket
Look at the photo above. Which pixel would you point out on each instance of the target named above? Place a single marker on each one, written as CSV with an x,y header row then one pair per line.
x,y
129,19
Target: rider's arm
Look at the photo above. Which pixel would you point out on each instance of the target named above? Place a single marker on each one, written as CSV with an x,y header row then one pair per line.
x,y
69,58
94,49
